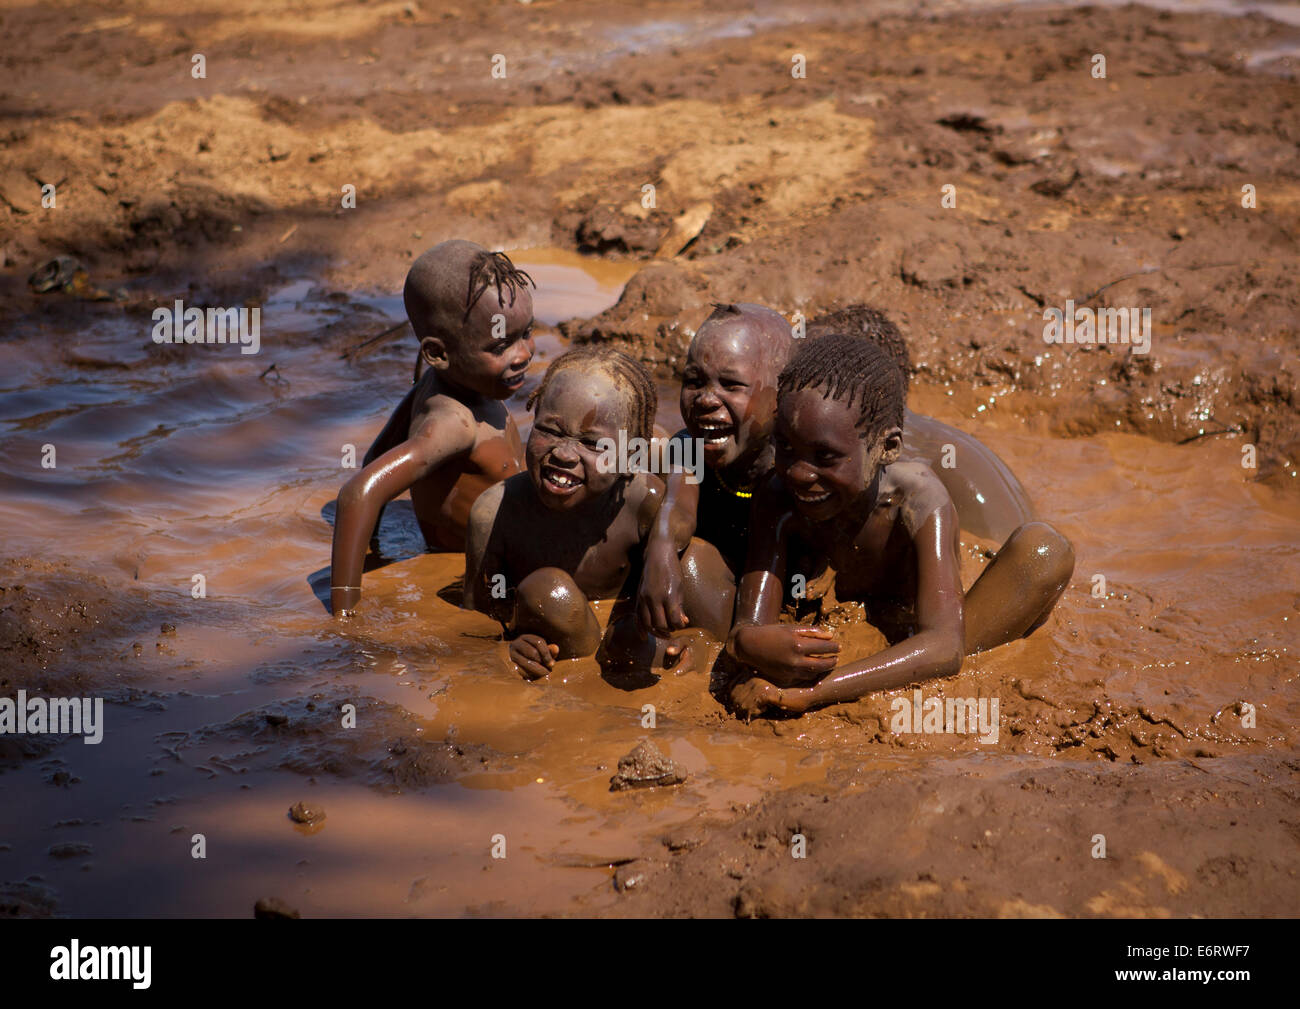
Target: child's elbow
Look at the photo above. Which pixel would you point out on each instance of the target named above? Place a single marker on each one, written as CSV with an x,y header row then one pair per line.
x,y
949,651
353,492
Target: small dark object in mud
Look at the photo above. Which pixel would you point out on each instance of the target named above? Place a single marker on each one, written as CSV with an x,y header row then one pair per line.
x,y
55,274
629,877
646,767
168,628
277,718
300,812
69,849
274,907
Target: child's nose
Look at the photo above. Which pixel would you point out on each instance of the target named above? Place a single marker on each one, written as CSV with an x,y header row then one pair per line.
x,y
565,452
800,472
524,351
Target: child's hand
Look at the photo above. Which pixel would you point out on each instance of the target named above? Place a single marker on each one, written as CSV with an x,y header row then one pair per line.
x,y
533,655
754,696
659,597
789,653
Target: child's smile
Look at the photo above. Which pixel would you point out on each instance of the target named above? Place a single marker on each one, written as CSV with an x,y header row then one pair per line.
x,y
578,410
724,401
820,455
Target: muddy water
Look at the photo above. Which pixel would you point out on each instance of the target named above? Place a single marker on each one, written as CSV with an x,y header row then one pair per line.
x,y
203,462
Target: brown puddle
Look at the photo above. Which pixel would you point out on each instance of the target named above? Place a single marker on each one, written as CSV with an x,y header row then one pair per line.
x,y
174,466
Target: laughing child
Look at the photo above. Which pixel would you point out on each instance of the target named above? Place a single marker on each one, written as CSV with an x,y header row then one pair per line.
x,y
887,528
451,437
698,545
545,542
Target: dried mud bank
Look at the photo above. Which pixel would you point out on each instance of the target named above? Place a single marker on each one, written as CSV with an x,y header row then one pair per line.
x,y
1160,712
993,841
1117,192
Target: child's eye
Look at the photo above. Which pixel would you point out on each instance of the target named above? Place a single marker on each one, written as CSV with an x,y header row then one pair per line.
x,y
825,458
731,385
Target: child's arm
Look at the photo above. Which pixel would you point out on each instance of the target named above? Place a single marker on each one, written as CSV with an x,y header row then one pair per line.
x,y
938,645
395,431
446,435
482,556
659,596
785,652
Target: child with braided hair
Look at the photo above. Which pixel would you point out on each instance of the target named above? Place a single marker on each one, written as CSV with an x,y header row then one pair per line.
x,y
889,531
451,437
697,548
544,543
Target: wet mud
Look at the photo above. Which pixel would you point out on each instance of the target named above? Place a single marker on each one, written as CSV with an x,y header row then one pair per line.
x,y
1156,707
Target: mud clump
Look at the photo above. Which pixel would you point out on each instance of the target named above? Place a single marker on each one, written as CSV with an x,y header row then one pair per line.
x,y
27,900
274,907
646,767
301,812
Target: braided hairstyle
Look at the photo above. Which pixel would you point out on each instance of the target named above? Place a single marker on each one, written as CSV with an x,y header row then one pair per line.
x,y
629,374
849,368
487,269
871,323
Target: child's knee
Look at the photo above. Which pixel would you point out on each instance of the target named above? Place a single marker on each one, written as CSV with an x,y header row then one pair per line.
x,y
1045,552
709,587
550,598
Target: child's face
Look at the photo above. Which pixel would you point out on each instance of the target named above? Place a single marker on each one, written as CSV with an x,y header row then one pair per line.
x,y
729,392
579,409
492,355
820,455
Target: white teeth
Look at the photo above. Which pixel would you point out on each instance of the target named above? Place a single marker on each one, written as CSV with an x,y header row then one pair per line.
x,y
813,499
561,479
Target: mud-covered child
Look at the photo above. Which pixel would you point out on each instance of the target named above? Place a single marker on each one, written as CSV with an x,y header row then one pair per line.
x,y
452,436
699,542
545,543
889,531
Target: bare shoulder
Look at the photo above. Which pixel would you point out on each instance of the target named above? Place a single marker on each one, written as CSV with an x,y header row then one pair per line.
x,y
445,419
922,493
645,492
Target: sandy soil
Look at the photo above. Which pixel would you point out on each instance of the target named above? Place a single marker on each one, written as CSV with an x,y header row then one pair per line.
x,y
1125,716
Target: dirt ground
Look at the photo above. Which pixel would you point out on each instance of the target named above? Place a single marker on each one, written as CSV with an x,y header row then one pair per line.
x,y
1124,717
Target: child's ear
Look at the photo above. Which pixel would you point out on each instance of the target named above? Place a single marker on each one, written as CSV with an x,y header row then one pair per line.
x,y
891,446
434,352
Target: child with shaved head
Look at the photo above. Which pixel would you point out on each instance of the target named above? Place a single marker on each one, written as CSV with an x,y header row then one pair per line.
x,y
728,401
451,437
889,531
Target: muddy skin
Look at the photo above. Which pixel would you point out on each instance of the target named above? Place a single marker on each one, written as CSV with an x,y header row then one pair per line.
x,y
1120,715
728,399
729,375
990,501
451,437
874,517
564,533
